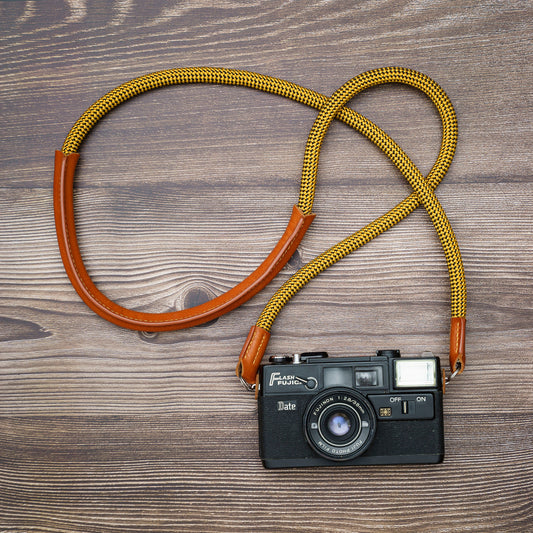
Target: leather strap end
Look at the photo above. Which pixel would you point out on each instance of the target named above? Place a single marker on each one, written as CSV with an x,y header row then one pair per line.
x,y
252,353
457,344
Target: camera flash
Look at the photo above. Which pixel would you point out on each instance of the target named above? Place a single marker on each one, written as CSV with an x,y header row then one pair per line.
x,y
411,373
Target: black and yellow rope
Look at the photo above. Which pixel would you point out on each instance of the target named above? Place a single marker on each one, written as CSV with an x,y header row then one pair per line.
x,y
329,108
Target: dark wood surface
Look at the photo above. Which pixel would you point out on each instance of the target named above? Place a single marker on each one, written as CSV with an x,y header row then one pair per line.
x,y
182,192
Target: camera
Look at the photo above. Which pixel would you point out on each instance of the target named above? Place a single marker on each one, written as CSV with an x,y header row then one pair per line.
x,y
383,409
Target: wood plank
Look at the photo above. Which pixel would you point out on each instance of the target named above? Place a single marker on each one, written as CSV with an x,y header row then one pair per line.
x,y
182,192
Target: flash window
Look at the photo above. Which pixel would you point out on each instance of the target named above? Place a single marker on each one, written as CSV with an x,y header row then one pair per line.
x,y
414,373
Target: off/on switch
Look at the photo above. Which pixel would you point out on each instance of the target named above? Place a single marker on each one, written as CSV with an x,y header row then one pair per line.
x,y
418,406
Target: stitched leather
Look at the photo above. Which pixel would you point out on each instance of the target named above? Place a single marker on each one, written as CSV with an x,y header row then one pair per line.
x,y
65,166
457,344
252,352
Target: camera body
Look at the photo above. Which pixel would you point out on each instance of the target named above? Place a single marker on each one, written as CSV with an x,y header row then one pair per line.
x,y
384,409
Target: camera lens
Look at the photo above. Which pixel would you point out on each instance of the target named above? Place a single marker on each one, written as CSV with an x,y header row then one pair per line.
x,y
339,424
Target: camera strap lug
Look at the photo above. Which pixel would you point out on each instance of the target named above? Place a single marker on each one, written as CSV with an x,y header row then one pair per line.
x,y
452,375
250,387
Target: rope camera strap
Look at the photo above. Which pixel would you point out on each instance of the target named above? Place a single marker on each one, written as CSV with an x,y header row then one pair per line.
x,y
329,109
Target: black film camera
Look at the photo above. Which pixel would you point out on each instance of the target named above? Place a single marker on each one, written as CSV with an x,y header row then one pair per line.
x,y
385,409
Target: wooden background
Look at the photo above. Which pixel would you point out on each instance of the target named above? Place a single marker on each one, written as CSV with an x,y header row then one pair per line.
x,y
182,192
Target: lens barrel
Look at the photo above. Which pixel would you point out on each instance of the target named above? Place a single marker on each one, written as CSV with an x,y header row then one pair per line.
x,y
339,424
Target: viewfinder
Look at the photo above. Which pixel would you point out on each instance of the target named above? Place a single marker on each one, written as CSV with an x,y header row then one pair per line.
x,y
369,376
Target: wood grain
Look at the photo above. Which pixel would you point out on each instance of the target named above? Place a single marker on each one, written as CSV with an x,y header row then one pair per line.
x,y
182,192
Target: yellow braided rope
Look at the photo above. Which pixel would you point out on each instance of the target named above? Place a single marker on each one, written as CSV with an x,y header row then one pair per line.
x,y
330,108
